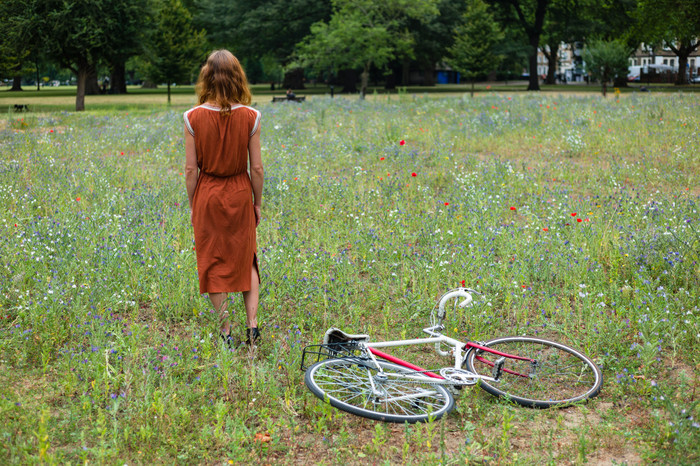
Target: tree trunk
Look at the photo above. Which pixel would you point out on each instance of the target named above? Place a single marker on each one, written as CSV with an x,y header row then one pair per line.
x,y
604,79
472,92
683,51
429,75
552,64
682,65
17,83
117,78
168,92
533,34
91,85
83,72
364,79
405,72
534,80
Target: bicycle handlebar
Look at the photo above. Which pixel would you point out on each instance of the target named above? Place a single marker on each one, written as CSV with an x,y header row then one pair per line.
x,y
456,293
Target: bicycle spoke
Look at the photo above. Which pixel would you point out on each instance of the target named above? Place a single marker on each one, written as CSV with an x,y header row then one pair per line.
x,y
350,385
559,374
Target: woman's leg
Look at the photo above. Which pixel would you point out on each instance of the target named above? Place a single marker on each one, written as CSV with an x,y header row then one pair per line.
x,y
250,299
219,301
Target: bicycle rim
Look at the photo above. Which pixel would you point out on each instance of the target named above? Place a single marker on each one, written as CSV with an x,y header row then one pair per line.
x,y
561,375
345,384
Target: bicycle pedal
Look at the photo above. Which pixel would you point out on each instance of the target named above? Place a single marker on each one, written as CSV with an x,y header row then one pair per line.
x,y
498,368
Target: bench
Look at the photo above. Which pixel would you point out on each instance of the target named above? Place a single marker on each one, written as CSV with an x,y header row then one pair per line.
x,y
21,107
287,99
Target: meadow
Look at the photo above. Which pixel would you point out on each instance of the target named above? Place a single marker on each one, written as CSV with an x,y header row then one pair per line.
x,y
575,216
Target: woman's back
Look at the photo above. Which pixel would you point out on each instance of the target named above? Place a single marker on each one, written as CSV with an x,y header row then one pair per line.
x,y
221,142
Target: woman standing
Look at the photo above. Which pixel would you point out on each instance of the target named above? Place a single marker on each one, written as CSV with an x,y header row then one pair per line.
x,y
222,135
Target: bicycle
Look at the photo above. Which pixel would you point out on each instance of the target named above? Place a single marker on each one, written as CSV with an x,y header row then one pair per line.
x,y
352,374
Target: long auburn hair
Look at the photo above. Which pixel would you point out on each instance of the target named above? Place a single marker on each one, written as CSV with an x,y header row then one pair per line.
x,y
223,81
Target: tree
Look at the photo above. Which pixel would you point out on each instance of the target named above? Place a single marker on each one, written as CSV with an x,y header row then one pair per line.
x,y
530,15
362,34
675,23
253,29
74,34
473,52
19,40
432,39
174,48
125,23
567,21
606,60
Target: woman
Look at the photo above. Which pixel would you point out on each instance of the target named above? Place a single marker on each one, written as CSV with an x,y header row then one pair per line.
x,y
222,135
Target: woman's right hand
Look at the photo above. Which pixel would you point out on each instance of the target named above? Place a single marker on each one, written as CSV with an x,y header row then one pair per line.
x,y
256,208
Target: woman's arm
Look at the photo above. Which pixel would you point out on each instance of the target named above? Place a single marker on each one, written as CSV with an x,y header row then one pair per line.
x,y
191,169
257,174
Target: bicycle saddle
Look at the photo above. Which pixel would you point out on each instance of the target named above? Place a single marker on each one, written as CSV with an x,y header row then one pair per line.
x,y
335,335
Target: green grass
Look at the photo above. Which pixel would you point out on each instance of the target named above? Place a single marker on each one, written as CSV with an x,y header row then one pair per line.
x,y
108,354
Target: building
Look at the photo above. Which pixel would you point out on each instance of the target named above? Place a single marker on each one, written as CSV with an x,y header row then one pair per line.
x,y
647,59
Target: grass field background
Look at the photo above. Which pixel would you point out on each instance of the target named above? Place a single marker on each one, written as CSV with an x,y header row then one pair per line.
x,y
575,216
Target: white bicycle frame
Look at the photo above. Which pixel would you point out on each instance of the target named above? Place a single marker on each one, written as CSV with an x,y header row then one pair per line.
x,y
458,376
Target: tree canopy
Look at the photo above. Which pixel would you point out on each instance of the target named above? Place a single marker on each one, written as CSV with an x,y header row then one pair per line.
x,y
175,48
362,34
331,39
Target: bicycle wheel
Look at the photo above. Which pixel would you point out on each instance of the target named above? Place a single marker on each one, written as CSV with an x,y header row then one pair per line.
x,y
345,384
559,376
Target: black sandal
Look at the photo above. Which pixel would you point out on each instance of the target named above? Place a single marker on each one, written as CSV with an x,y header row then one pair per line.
x,y
252,336
228,340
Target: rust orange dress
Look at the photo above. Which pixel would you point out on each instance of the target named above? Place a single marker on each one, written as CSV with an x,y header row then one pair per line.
x,y
222,209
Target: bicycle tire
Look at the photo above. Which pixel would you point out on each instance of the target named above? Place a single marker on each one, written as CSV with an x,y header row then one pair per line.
x,y
345,384
562,375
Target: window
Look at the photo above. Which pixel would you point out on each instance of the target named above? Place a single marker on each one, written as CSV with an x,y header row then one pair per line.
x,y
672,62
665,61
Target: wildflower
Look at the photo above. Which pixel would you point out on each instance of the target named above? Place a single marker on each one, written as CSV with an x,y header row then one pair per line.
x,y
463,282
545,229
402,142
579,220
447,203
414,174
512,208
77,198
573,214
381,158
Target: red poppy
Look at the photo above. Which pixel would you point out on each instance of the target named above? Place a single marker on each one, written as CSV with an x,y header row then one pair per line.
x,y
512,208
463,282
50,131
573,214
579,220
414,174
447,203
545,229
402,142
77,198
381,158
121,153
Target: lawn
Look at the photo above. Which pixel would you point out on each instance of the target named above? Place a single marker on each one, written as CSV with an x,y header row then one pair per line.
x,y
575,216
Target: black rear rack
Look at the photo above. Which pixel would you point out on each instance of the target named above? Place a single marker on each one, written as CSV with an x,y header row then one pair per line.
x,y
315,353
